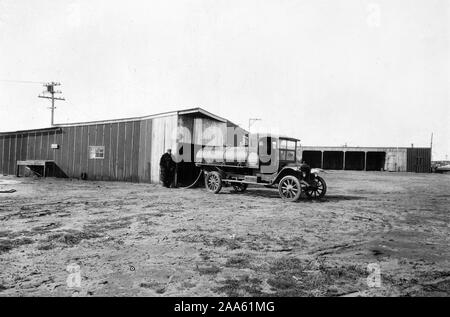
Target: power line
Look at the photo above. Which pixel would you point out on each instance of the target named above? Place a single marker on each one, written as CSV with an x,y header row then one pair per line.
x,y
21,81
251,121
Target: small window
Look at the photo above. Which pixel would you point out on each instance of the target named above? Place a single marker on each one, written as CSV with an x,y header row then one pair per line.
x,y
291,145
265,146
283,155
282,144
290,156
96,152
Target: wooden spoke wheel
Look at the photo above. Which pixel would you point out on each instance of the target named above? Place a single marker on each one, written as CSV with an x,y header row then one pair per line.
x,y
289,188
240,188
317,189
213,182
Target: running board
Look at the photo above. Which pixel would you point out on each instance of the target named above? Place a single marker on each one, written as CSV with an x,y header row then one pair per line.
x,y
242,182
302,182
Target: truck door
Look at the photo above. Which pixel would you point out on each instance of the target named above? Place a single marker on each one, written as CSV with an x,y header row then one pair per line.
x,y
268,158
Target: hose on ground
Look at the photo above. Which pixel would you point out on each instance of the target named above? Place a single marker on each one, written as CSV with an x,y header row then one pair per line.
x,y
195,182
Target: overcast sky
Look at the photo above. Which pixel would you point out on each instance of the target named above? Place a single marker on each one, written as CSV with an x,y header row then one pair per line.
x,y
367,73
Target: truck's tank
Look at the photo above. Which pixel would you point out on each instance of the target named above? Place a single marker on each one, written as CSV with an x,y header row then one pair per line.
x,y
239,155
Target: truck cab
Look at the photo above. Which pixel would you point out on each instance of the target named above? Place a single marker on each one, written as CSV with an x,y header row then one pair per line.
x,y
276,152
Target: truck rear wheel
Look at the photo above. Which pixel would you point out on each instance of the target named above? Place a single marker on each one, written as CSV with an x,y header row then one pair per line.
x,y
289,188
240,188
213,182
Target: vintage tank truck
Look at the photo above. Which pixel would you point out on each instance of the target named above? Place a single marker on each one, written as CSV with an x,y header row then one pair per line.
x,y
266,160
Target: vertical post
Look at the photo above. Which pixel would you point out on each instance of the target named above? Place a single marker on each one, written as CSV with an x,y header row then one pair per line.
x,y
175,177
343,164
53,108
365,160
431,152
321,159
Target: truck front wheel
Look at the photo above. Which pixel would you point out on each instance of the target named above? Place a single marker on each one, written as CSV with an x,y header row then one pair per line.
x,y
289,188
317,189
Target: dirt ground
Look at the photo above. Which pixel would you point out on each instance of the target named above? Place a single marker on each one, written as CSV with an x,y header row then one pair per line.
x,y
145,240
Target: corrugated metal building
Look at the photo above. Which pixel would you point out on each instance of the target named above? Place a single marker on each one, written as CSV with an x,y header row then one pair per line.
x,y
393,159
122,150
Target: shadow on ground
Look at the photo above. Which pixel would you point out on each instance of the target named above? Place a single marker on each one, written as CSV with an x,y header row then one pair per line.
x,y
273,193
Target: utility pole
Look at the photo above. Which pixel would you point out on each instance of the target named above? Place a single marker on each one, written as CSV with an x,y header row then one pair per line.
x,y
50,89
431,146
250,122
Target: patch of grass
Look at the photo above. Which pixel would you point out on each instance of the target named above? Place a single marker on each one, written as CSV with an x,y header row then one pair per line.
x,y
158,287
296,277
29,212
146,219
179,230
243,286
5,233
229,243
46,228
240,261
208,270
110,224
187,285
46,246
67,238
425,284
7,245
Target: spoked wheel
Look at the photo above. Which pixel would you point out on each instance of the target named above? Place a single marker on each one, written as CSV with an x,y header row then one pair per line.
x,y
289,188
213,182
317,189
240,188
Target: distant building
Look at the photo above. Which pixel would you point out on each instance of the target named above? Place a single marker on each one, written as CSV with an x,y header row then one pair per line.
x,y
393,159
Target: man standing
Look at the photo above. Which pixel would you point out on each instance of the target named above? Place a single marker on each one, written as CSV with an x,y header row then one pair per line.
x,y
167,167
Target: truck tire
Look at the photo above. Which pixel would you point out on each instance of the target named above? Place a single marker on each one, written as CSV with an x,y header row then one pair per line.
x,y
213,182
319,190
240,188
289,188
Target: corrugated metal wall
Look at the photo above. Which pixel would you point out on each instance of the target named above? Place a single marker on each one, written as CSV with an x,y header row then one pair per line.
x,y
22,146
418,160
121,142
145,151
132,149
121,157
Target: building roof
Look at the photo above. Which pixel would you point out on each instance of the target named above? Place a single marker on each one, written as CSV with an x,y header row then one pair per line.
x,y
279,136
31,131
163,114
188,111
357,148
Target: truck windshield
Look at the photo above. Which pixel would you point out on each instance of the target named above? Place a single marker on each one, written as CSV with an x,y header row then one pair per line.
x,y
287,150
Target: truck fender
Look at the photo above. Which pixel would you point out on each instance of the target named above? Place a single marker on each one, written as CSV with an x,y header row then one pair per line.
x,y
287,171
